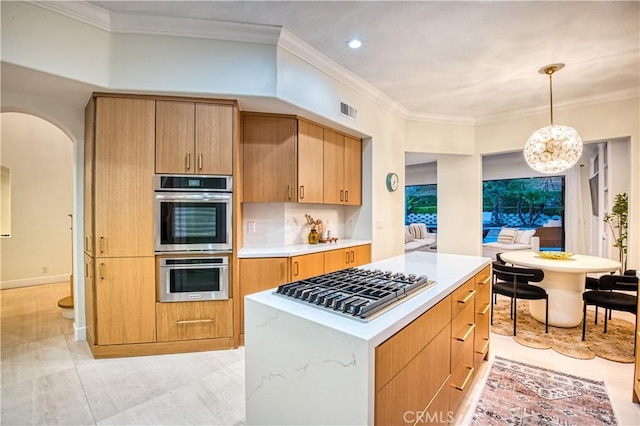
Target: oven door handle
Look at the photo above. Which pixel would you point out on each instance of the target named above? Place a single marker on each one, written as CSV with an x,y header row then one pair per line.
x,y
200,266
207,196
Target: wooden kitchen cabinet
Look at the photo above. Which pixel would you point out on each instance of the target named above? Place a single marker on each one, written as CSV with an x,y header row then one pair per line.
x,y
89,125
194,320
282,159
635,393
124,300
351,257
89,297
427,368
122,177
260,274
412,368
307,266
285,159
342,169
194,138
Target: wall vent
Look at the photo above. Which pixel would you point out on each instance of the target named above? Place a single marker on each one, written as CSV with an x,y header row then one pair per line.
x,y
348,110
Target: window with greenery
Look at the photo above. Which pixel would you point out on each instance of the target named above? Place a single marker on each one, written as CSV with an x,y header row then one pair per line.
x,y
528,203
421,204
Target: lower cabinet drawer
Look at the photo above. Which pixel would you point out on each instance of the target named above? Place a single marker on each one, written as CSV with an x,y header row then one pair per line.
x,y
462,335
194,320
437,413
461,381
483,318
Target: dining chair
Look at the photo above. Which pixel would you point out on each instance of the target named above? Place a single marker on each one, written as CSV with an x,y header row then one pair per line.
x,y
591,283
608,298
513,282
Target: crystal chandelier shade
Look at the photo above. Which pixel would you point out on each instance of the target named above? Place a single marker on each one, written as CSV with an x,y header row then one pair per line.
x,y
553,149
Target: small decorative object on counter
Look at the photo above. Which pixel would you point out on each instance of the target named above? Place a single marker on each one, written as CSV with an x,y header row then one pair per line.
x,y
315,225
314,238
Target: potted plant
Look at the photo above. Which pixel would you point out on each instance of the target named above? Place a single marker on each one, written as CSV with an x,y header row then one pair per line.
x,y
617,221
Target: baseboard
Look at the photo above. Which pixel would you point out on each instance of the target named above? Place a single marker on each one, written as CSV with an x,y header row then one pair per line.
x,y
79,333
27,282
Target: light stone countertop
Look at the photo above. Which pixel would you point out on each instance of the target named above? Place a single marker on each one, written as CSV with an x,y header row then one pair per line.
x,y
297,249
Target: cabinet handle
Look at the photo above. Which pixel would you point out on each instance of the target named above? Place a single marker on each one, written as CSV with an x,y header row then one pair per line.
x,y
346,196
102,271
347,257
301,191
466,380
468,333
101,245
194,321
485,281
289,191
469,296
353,256
86,270
485,310
296,268
199,161
485,347
342,195
188,160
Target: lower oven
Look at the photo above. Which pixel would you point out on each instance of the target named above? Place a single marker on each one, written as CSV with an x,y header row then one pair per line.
x,y
193,278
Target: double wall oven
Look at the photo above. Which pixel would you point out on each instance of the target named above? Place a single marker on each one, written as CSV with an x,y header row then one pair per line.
x,y
193,236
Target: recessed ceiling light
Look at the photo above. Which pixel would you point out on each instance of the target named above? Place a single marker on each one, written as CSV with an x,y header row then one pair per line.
x,y
354,43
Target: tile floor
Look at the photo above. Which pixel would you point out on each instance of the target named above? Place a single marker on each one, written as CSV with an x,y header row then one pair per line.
x,y
48,378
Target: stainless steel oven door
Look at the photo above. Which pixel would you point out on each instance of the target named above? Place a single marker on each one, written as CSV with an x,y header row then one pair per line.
x,y
192,221
194,278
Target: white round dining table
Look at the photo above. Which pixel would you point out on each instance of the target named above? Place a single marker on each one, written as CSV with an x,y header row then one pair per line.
x,y
564,281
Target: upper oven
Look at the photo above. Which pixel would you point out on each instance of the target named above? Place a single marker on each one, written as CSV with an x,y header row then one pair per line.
x,y
192,213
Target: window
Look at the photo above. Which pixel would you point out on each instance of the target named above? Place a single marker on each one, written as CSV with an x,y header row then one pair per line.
x,y
421,205
529,203
5,202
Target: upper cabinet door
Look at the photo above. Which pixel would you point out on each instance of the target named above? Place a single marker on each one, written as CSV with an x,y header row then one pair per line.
x,y
310,163
334,190
352,171
175,137
214,139
269,159
123,177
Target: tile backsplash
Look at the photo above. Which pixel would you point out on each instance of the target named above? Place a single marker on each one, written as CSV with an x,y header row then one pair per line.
x,y
285,224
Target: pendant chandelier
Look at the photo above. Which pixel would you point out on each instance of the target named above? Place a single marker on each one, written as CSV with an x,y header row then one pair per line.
x,y
553,149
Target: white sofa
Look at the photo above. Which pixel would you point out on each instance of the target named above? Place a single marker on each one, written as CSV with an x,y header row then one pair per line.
x,y
416,237
511,239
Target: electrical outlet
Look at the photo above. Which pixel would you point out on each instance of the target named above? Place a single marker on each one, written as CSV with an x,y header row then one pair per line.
x,y
45,269
251,227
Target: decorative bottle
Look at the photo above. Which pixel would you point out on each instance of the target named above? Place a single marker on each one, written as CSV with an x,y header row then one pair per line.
x,y
314,238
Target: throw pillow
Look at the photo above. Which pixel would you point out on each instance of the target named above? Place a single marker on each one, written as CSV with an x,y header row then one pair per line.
x,y
507,236
524,237
407,236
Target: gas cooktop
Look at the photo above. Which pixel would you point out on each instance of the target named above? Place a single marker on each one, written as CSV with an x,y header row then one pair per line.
x,y
354,292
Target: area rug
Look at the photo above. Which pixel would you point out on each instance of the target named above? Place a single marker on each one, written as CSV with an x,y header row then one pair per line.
x,y
521,394
615,345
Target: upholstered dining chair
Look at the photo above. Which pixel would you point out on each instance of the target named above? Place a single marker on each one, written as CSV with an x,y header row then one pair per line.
x,y
608,298
591,283
513,282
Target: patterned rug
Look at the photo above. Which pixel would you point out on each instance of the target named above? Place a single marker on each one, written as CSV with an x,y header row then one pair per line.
x,y
520,394
615,345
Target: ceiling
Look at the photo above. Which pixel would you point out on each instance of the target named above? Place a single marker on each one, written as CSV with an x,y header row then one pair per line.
x,y
475,60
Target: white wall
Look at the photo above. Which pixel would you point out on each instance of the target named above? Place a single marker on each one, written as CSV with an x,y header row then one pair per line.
x,y
40,157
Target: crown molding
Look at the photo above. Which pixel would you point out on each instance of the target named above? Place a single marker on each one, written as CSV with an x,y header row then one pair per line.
x,y
79,10
199,28
586,101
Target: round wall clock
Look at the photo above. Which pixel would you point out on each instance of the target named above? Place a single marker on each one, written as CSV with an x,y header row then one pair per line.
x,y
392,182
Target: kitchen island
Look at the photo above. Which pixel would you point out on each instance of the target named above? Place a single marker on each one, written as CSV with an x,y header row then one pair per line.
x,y
309,365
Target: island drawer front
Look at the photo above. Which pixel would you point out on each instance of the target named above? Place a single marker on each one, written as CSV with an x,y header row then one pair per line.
x,y
483,327
194,320
463,296
483,279
461,380
462,334
394,353
438,412
416,385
